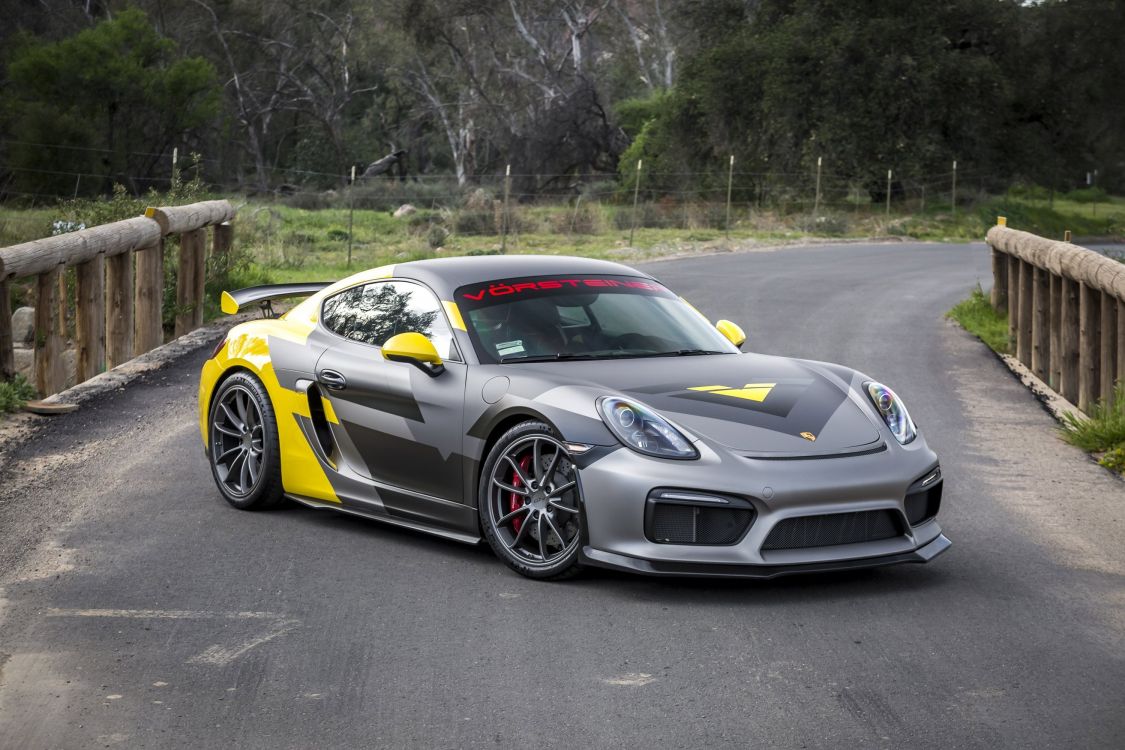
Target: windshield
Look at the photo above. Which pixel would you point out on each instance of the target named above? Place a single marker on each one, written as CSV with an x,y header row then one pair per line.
x,y
583,317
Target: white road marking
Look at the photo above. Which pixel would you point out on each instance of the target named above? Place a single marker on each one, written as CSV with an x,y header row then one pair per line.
x,y
162,614
630,679
217,655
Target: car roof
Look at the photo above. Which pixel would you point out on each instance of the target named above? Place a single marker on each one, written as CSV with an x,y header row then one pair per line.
x,y
444,275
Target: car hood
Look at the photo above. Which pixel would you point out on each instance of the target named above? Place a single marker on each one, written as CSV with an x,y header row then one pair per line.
x,y
752,403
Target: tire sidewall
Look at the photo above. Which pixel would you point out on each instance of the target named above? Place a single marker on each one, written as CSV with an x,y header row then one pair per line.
x,y
565,567
268,490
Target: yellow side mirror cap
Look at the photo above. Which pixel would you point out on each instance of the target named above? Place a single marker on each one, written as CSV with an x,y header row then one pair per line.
x,y
416,349
732,331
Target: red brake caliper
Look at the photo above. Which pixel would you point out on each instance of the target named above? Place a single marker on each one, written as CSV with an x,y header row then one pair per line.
x,y
515,502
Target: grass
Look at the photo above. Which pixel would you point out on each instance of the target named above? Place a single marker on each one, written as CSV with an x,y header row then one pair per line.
x,y
977,316
15,393
1102,432
285,242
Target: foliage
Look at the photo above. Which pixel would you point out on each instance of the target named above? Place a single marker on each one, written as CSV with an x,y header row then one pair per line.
x,y
977,316
1103,430
1114,459
15,393
568,93
107,102
1087,195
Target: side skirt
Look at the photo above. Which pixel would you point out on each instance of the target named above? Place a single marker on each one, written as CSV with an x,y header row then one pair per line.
x,y
392,520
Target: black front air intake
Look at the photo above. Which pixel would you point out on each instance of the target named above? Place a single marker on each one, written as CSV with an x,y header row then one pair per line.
x,y
673,517
833,529
923,499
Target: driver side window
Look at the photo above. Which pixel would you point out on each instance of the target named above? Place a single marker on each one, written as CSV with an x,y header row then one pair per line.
x,y
373,313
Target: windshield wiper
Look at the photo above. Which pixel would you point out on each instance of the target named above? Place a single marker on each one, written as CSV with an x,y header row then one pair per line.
x,y
556,357
560,356
688,353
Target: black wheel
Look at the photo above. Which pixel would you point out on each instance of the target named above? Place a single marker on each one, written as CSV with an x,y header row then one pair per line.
x,y
530,503
244,453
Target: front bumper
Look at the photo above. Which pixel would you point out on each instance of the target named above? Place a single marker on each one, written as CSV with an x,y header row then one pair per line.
x,y
616,485
613,561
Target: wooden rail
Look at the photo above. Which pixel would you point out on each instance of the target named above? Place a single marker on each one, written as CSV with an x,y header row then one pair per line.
x,y
119,289
1066,312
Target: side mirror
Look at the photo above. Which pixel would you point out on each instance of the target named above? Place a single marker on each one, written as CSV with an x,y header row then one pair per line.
x,y
415,349
732,331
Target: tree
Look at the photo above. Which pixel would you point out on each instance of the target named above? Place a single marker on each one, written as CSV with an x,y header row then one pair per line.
x,y
868,86
116,95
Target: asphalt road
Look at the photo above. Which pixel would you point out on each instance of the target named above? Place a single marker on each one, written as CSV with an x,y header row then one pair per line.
x,y
139,610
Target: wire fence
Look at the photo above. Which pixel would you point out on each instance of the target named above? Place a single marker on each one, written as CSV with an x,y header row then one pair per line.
x,y
515,203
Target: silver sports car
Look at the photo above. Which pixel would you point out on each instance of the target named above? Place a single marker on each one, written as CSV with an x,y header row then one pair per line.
x,y
570,412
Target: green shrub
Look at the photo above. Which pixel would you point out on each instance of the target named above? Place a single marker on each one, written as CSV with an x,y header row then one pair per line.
x,y
15,393
477,222
1104,430
977,316
1114,459
437,236
1087,195
1029,192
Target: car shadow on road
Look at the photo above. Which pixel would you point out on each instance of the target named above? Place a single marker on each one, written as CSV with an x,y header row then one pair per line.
x,y
871,583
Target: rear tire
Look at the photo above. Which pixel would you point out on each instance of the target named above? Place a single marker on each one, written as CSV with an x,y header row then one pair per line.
x,y
530,503
243,447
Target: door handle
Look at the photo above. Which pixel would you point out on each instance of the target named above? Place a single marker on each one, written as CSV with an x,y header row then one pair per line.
x,y
332,380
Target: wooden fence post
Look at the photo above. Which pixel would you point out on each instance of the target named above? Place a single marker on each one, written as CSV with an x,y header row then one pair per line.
x,y
1013,299
89,325
1068,341
49,375
1041,324
1055,360
199,277
999,281
221,242
1089,303
1109,325
1026,300
7,353
1121,339
185,284
119,324
149,298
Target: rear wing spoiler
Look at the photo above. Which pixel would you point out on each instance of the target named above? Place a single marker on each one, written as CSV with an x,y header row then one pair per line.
x,y
232,302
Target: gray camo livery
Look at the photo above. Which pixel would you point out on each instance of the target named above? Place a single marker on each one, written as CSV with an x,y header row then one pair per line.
x,y
571,413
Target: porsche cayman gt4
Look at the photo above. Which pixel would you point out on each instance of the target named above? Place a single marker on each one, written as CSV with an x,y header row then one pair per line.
x,y
569,412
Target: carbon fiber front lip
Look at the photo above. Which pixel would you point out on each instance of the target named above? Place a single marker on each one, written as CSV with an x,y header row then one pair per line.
x,y
615,561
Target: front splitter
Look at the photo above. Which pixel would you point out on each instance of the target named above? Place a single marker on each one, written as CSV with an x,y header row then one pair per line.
x,y
615,561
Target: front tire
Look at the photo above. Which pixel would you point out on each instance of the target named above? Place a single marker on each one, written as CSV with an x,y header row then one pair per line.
x,y
530,503
243,452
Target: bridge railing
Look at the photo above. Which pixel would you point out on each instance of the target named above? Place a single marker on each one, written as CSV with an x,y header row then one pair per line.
x,y
1066,312
119,288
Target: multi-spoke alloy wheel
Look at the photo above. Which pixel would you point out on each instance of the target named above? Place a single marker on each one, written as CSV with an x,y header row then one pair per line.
x,y
244,443
237,443
531,502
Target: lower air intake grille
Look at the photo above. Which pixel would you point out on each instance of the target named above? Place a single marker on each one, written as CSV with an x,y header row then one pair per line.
x,y
830,530
673,523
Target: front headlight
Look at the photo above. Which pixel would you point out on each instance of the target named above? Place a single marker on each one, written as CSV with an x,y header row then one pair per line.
x,y
892,410
644,430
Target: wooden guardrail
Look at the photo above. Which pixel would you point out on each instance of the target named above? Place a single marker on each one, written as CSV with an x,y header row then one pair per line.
x,y
1066,312
119,289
